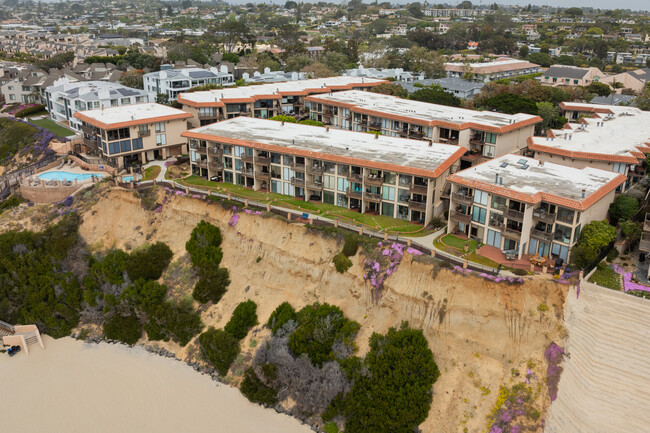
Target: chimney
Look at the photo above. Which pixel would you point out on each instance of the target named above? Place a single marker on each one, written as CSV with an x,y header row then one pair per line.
x,y
283,123
584,193
376,136
327,129
496,179
541,163
501,181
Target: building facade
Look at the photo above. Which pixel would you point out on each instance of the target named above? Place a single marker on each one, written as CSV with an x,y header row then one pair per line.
x,y
133,134
266,100
529,206
560,75
389,176
171,82
484,134
64,99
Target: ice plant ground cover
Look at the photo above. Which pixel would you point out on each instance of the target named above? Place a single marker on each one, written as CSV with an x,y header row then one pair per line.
x,y
514,410
383,262
553,355
628,284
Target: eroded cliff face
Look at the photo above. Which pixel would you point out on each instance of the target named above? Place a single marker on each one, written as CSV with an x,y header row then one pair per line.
x,y
478,330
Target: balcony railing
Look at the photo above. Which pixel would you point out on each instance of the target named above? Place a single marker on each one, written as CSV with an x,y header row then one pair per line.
x,y
544,216
462,198
314,169
355,178
208,116
88,130
374,126
247,158
418,205
316,186
146,133
297,182
215,151
512,233
246,171
416,133
90,142
514,214
262,160
497,224
541,235
419,188
354,193
216,165
298,166
371,196
466,219
262,175
202,163
374,181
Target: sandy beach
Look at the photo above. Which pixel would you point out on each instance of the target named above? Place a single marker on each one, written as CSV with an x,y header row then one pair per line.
x,y
76,387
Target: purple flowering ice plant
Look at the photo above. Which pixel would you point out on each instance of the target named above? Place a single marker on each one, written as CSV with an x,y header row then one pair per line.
x,y
553,355
628,284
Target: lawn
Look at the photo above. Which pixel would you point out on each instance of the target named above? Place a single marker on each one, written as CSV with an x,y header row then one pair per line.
x,y
605,276
331,211
456,242
53,127
150,173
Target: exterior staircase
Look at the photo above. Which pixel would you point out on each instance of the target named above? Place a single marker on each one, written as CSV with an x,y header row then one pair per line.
x,y
6,329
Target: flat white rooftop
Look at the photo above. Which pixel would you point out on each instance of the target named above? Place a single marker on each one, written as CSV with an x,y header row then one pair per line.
x,y
215,96
342,144
131,114
424,111
530,177
617,136
496,64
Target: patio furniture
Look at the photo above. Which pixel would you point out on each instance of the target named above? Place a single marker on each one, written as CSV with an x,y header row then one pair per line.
x,y
538,260
510,254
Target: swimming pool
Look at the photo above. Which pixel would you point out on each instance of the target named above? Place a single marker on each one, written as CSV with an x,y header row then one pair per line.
x,y
127,179
66,176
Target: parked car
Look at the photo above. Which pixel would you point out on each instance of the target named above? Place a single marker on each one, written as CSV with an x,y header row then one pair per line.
x,y
13,350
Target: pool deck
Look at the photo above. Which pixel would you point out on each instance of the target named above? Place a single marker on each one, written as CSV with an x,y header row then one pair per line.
x,y
74,169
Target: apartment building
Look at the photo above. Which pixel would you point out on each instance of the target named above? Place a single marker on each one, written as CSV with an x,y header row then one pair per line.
x,y
64,99
484,134
391,176
612,138
560,75
503,67
133,134
527,205
171,82
265,100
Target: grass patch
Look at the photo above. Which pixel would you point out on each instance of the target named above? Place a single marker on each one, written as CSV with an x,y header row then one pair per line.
x,y
53,127
476,258
605,276
456,242
150,173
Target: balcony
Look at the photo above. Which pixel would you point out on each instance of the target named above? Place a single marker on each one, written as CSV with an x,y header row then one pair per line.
x,y
298,166
262,160
88,130
544,216
418,205
314,169
247,158
215,151
374,180
146,133
355,177
463,218
202,163
512,233
295,181
209,116
262,175
548,237
415,133
375,126
328,113
419,189
315,186
90,142
198,148
244,112
497,224
514,215
354,193
459,197
216,165
371,196
246,171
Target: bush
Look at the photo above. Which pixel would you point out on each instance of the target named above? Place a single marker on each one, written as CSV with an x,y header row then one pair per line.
x,y
125,328
29,110
351,246
284,118
583,255
612,254
149,263
342,263
219,348
520,272
10,203
319,328
203,245
256,391
623,208
178,322
212,285
311,122
281,315
243,319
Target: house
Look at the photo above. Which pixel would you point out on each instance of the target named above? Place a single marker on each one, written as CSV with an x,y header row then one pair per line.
x,y
133,134
503,67
529,205
607,137
635,80
484,134
171,82
464,89
265,100
269,76
398,74
63,99
472,45
560,75
389,176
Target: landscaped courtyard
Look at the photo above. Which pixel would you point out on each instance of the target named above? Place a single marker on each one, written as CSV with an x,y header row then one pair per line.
x,y
52,126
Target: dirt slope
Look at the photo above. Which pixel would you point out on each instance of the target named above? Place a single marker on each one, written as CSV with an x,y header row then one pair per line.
x,y
478,330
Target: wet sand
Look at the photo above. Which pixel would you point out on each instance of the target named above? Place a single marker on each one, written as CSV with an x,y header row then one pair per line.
x,y
76,387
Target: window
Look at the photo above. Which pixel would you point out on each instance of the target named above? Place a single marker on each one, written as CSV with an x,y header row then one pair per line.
x,y
388,193
143,130
161,139
114,147
118,134
488,151
619,167
207,112
388,209
478,214
136,143
328,197
160,127
498,202
125,146
342,184
562,233
403,195
390,178
490,137
239,150
276,187
12,97
481,197
329,183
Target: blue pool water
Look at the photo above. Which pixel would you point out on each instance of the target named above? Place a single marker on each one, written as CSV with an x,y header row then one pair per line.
x,y
127,178
65,175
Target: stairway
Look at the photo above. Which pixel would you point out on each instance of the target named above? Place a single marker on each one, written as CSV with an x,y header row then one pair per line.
x,y
31,340
6,329
605,385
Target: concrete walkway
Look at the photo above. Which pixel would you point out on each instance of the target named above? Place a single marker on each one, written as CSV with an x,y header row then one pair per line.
x,y
163,168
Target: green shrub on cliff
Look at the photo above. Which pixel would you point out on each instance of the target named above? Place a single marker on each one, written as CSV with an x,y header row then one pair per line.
x,y
212,285
219,348
281,315
123,327
149,263
243,319
256,391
